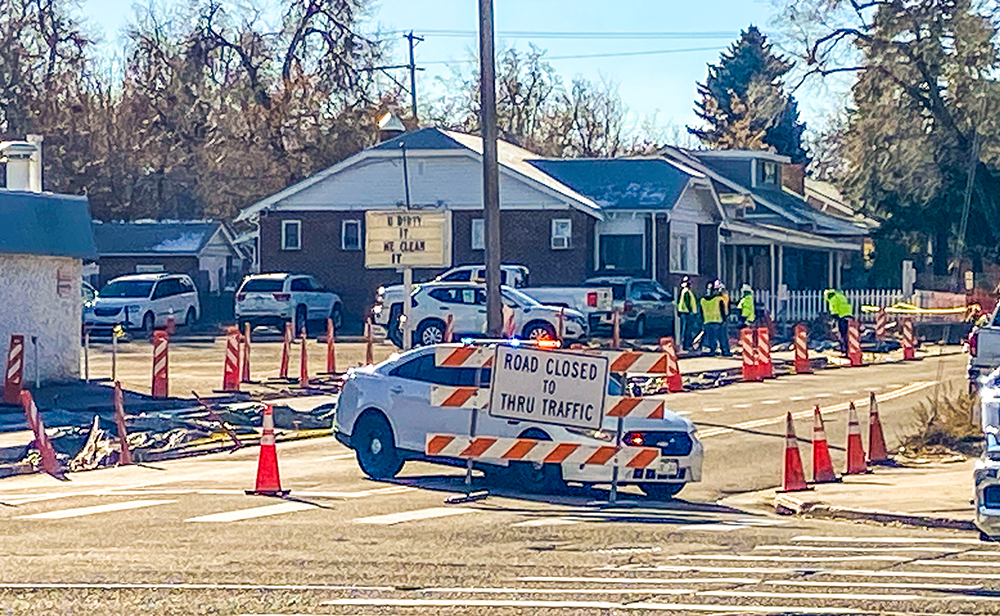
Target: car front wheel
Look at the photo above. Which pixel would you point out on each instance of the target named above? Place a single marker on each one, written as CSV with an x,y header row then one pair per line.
x,y
661,491
376,451
537,330
430,332
148,322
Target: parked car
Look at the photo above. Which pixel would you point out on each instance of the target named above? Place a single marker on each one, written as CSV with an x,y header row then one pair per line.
x,y
510,275
466,302
592,302
384,414
645,306
144,302
276,299
87,293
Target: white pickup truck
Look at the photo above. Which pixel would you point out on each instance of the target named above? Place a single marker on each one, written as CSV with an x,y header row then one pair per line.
x,y
984,347
593,302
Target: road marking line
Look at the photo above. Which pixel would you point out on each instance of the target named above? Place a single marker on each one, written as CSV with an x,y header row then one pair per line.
x,y
359,494
640,580
807,595
82,511
180,586
798,398
606,605
743,558
742,406
410,516
824,548
565,591
548,522
255,512
339,456
801,570
712,409
848,391
957,563
822,395
906,540
759,423
903,585
771,402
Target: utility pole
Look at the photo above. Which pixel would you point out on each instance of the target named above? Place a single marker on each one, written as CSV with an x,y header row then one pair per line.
x,y
413,40
970,182
491,182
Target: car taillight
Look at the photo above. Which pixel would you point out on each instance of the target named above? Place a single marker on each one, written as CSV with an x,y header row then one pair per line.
x,y
633,439
241,296
282,297
628,306
592,299
974,343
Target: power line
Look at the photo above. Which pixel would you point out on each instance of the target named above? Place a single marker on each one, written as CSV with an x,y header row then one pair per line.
x,y
615,54
590,35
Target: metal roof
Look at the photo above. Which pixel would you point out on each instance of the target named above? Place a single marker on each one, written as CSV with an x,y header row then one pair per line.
x,y
153,237
46,224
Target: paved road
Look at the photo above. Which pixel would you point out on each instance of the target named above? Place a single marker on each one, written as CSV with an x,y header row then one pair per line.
x,y
183,538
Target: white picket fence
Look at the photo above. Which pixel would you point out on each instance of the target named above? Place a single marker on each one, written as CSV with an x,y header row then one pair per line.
x,y
805,305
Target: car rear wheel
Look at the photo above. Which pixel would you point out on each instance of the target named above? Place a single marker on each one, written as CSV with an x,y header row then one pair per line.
x,y
639,329
535,478
375,449
190,317
337,316
300,321
661,491
538,329
430,332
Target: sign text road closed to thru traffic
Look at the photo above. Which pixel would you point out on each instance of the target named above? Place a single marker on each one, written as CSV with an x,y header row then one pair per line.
x,y
407,238
565,389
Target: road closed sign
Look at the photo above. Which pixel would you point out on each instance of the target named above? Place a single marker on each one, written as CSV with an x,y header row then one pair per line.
x,y
565,389
407,238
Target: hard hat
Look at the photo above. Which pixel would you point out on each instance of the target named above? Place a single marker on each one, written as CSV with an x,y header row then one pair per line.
x,y
746,289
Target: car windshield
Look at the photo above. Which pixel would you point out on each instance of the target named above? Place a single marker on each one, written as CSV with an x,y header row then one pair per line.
x,y
127,288
520,298
263,285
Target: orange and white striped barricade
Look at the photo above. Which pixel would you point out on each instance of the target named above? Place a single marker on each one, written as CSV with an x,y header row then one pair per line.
x,y
304,360
881,321
854,342
539,452
765,369
286,351
909,340
118,402
49,463
161,383
245,363
463,356
479,398
802,365
675,382
231,367
331,350
748,352
14,380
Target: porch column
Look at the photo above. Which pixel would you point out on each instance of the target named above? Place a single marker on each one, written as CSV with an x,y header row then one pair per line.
x,y
829,270
774,269
781,265
839,269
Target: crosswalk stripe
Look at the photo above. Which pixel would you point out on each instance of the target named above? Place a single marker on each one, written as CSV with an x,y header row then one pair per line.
x,y
606,605
254,512
810,570
82,511
900,540
409,516
784,559
548,522
823,548
640,580
901,585
807,595
564,591
957,563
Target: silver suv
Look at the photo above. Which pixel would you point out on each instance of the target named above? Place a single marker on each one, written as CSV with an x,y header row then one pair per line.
x,y
276,299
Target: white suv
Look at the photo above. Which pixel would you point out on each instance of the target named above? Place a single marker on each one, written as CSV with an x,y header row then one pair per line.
x,y
466,303
276,299
384,413
145,302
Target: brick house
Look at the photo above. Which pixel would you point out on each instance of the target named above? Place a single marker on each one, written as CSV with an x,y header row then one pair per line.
x,y
562,227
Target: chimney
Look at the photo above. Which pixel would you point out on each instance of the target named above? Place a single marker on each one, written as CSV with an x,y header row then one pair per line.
x,y
793,177
21,165
35,168
389,127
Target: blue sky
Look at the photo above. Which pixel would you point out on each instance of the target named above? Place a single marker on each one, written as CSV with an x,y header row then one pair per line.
x,y
652,85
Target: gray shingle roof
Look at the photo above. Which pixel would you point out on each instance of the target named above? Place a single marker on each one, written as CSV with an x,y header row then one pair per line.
x,y
423,139
621,183
45,224
154,237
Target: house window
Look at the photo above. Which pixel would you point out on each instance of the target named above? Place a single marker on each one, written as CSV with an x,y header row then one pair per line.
x,y
767,172
291,235
478,234
350,235
562,234
683,248
622,253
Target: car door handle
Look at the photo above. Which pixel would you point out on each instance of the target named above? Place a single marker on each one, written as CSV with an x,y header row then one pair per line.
x,y
396,390
513,422
443,308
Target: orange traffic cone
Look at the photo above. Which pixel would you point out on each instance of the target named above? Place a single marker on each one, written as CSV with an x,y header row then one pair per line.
x,y
822,464
304,362
268,481
286,351
616,330
449,328
855,450
793,479
877,453
331,350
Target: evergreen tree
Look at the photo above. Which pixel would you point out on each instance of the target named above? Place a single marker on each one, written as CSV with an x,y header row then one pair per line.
x,y
744,95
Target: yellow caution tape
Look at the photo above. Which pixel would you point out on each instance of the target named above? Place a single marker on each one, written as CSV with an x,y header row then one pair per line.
x,y
904,308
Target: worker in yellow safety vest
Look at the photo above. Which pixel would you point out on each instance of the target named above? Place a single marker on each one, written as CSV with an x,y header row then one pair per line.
x,y
714,312
748,314
840,307
687,310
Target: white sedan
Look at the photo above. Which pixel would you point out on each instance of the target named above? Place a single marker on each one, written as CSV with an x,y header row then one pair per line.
x,y
384,413
466,303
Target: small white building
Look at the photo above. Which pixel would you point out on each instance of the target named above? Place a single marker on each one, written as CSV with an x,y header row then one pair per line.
x,y
44,238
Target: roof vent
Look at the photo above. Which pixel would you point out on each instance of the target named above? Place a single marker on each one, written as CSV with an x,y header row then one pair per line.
x,y
389,126
24,163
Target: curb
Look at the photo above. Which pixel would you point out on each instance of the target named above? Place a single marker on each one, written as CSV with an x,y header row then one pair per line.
x,y
785,504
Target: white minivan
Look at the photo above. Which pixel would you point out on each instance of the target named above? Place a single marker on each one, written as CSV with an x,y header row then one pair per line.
x,y
144,302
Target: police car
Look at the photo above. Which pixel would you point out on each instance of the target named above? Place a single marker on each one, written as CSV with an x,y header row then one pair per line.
x,y
384,414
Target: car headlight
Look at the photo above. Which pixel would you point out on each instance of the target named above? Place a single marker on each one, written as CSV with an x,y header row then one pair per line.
x,y
377,310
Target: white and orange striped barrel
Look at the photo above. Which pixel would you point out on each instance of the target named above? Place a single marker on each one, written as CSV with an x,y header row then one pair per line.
x,y
854,342
909,340
748,353
15,370
532,450
231,367
802,350
765,369
160,377
880,324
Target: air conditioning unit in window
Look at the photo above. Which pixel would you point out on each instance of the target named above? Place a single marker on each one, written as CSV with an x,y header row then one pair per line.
x,y
559,243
